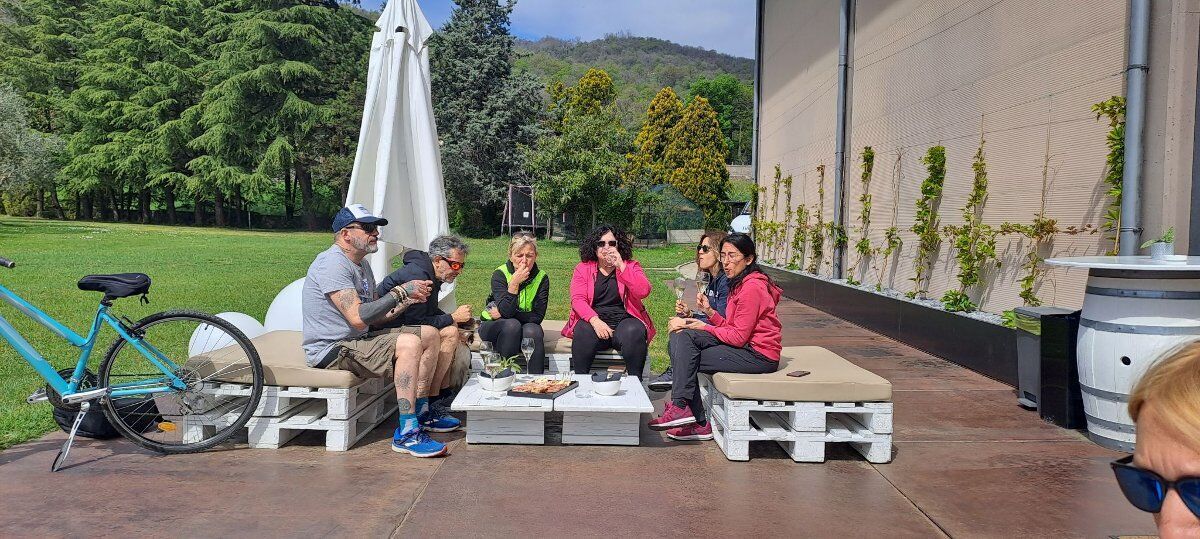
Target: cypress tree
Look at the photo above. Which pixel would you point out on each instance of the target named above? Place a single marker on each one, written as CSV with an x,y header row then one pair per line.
x,y
695,156
646,164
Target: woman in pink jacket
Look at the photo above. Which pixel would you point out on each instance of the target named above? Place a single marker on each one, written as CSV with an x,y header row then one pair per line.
x,y
607,290
747,339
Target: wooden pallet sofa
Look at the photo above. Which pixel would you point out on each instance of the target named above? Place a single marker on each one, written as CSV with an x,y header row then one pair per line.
x,y
297,398
839,402
558,352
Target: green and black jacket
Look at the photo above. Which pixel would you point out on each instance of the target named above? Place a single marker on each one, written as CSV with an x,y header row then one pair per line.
x,y
528,305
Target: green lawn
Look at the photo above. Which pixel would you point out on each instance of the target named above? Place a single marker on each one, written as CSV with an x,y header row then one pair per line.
x,y
213,270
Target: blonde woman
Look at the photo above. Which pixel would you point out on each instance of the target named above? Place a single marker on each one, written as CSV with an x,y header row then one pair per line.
x,y
517,304
1163,475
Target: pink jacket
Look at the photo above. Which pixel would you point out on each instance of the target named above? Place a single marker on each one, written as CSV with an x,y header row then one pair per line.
x,y
750,317
631,283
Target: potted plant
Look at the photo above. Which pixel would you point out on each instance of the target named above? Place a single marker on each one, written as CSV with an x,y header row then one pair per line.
x,y
498,373
1163,247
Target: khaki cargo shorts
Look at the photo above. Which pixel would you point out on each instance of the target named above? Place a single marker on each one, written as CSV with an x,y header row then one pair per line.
x,y
371,356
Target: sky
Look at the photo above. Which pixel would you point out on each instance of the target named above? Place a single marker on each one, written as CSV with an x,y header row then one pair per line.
x,y
722,25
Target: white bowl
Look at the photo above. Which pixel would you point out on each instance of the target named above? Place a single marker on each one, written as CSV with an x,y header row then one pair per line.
x,y
607,389
496,384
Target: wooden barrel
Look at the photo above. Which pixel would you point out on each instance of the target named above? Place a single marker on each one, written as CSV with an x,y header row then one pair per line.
x,y
1130,319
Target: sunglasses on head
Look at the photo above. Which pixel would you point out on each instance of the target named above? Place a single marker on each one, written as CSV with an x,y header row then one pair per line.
x,y
602,243
454,264
369,228
1146,490
702,248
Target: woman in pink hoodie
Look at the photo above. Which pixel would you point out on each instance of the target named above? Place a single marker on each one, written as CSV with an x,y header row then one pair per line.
x,y
607,290
747,339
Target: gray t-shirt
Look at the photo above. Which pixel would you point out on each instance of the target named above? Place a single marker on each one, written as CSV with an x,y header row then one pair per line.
x,y
324,324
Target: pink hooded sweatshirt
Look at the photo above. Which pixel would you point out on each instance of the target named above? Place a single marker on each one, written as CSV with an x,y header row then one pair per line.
x,y
750,317
632,284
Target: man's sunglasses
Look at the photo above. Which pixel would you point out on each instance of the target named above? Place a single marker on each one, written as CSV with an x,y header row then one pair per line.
x,y
702,248
454,264
610,243
369,228
1146,490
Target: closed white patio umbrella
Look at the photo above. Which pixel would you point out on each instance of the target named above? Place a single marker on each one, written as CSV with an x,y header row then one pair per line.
x,y
397,168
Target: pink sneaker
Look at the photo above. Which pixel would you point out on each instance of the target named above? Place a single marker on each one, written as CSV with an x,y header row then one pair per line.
x,y
693,432
672,416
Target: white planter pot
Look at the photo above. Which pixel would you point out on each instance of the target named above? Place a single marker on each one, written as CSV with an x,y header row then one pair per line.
x,y
1160,250
496,384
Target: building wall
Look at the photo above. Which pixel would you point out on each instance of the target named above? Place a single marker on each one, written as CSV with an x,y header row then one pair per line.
x,y
1021,75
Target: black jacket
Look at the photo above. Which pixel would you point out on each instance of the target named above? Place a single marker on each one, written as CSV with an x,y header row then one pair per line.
x,y
507,303
417,267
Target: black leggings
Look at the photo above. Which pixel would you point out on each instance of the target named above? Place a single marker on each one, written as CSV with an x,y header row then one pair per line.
x,y
694,351
506,334
629,338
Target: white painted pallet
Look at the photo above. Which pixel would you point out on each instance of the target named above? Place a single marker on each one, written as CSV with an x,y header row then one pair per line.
x,y
603,419
341,434
277,400
802,429
496,418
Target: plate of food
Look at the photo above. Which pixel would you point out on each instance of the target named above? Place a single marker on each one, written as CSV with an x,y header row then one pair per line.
x,y
543,387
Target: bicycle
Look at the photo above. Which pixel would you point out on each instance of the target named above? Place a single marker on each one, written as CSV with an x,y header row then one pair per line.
x,y
165,382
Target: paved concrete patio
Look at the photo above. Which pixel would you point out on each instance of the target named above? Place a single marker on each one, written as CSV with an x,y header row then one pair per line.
x,y
968,463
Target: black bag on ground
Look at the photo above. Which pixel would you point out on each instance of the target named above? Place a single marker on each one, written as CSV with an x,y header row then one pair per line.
x,y
95,425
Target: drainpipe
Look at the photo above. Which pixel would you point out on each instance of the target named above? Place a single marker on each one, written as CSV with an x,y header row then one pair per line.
x,y
758,52
1194,232
1135,121
845,29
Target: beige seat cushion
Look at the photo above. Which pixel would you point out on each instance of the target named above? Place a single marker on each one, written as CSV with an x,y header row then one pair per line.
x,y
282,360
832,379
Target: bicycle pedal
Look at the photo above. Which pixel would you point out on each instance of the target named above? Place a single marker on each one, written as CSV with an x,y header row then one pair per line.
x,y
37,396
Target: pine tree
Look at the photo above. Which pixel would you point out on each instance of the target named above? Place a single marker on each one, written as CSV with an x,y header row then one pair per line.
x,y
646,165
695,155
268,97
40,55
486,112
139,77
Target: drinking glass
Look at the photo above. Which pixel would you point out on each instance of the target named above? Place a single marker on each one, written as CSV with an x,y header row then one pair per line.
x,y
527,349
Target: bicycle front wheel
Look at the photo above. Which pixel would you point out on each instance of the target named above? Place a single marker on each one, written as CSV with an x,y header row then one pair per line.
x,y
218,382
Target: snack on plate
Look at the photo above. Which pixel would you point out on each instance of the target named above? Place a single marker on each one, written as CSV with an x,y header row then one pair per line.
x,y
541,386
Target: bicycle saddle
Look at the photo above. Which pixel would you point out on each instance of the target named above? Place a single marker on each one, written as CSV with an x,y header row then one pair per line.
x,y
119,285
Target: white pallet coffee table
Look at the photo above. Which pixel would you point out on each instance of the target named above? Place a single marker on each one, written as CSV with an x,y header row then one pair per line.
x,y
600,419
496,418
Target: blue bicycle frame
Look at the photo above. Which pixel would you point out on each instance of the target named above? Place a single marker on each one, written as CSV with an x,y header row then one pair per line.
x,y
168,382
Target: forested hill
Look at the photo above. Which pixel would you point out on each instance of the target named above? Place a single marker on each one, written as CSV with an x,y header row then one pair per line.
x,y
640,66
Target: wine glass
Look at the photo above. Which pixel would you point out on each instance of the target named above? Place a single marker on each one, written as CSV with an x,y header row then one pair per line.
x,y
492,365
527,349
702,280
679,291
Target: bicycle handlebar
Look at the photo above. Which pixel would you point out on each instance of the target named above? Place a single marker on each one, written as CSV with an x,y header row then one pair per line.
x,y
7,263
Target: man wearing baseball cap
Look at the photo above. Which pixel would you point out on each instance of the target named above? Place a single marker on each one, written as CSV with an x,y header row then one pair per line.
x,y
340,301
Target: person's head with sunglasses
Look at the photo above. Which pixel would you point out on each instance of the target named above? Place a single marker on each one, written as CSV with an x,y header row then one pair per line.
x,y
449,254
708,252
1163,475
356,231
608,246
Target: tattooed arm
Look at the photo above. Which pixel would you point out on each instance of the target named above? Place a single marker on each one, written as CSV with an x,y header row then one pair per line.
x,y
360,315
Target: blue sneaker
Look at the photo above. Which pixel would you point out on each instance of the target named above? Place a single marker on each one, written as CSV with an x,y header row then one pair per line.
x,y
417,444
663,382
443,423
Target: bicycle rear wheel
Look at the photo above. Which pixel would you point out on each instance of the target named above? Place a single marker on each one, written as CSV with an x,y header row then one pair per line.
x,y
220,370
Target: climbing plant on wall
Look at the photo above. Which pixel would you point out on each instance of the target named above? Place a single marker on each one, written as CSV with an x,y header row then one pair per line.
x,y
974,242
926,224
816,238
1113,109
863,246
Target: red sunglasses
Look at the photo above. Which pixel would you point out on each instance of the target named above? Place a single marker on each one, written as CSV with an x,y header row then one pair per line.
x,y
454,264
